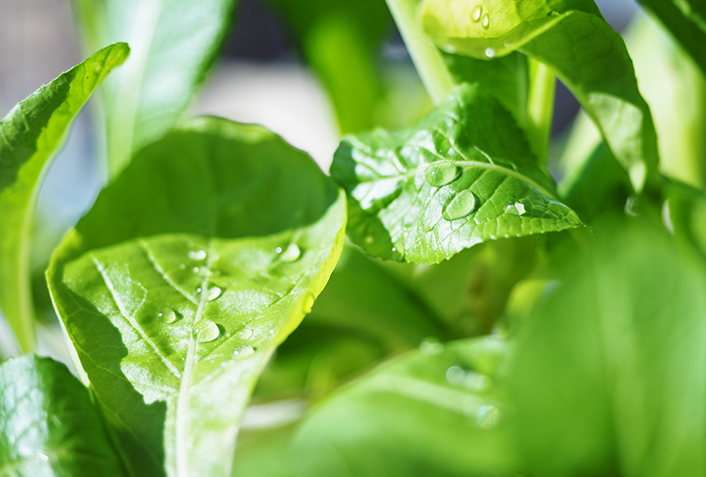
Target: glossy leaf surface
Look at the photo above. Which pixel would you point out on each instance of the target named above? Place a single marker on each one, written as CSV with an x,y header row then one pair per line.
x,y
48,424
435,411
29,136
461,176
188,271
174,44
608,375
585,53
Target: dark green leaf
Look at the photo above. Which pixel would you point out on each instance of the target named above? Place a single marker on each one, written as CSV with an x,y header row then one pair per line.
x,y
608,373
174,44
188,271
686,20
462,176
580,47
29,136
434,412
48,424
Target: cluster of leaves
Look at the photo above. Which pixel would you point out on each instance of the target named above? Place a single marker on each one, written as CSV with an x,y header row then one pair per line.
x,y
479,346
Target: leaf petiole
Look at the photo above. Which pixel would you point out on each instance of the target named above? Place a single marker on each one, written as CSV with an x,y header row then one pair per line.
x,y
540,109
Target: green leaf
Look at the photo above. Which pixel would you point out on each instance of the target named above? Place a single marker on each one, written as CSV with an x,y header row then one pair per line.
x,y
179,283
579,47
174,43
607,376
686,20
29,136
48,424
434,412
461,176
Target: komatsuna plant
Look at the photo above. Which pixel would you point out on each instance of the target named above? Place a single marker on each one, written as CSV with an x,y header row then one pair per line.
x,y
483,318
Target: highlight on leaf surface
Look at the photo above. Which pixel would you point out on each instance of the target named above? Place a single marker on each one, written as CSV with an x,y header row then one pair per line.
x,y
577,44
461,176
30,135
189,270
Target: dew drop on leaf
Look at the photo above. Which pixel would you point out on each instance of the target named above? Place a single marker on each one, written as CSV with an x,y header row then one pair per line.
x,y
292,253
197,254
429,347
517,208
195,269
477,12
167,315
206,331
438,175
455,375
490,52
485,21
213,293
460,206
245,333
243,351
487,416
278,250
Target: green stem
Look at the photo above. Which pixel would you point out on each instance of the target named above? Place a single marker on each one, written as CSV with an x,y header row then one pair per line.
x,y
427,59
540,109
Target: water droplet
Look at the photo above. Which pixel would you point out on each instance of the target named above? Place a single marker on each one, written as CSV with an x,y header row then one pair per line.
x,y
292,253
477,12
308,302
631,206
195,269
243,351
278,250
198,291
667,217
477,381
197,254
517,208
206,331
490,52
487,416
455,375
245,333
394,249
431,347
438,175
42,457
485,21
167,315
213,293
271,332
460,206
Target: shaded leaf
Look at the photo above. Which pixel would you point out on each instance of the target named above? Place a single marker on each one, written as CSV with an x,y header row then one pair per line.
x,y
188,271
48,424
174,43
434,412
574,41
30,135
461,176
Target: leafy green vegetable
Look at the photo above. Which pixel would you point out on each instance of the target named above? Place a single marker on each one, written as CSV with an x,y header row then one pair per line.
x,y
462,176
575,43
436,411
174,44
686,20
29,136
189,270
607,375
48,424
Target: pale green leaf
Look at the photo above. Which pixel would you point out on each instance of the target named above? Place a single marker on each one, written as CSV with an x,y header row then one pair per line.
x,y
29,137
461,176
188,271
437,411
174,44
574,41
48,425
607,376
